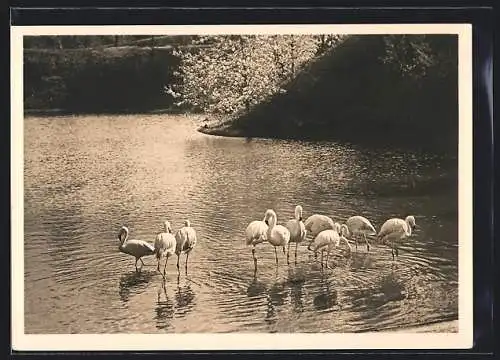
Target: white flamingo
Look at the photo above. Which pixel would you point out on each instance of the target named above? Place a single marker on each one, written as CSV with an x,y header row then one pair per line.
x,y
277,235
395,230
297,230
256,233
165,245
185,241
316,223
326,240
136,248
358,226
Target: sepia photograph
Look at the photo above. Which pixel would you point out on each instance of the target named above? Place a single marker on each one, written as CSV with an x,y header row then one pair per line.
x,y
242,181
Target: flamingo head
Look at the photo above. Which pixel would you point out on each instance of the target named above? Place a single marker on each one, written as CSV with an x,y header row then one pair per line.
x,y
187,223
337,227
298,212
410,220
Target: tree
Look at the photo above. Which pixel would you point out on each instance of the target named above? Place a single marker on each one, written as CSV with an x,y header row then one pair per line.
x,y
231,73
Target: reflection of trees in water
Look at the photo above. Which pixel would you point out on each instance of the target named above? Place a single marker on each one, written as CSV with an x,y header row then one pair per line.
x,y
133,283
164,310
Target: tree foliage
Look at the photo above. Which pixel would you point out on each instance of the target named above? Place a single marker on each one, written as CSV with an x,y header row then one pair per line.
x,y
231,74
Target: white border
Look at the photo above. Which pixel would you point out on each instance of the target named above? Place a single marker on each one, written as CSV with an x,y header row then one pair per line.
x,y
462,339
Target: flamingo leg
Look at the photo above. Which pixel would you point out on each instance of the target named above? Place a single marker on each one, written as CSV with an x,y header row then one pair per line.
x,y
178,258
296,246
141,261
397,251
322,252
276,255
186,266
355,236
158,267
392,247
165,267
254,258
366,241
287,253
136,260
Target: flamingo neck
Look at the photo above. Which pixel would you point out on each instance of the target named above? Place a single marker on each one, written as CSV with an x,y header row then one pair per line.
x,y
124,239
272,223
408,229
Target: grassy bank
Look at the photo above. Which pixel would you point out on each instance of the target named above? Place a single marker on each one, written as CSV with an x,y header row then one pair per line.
x,y
351,94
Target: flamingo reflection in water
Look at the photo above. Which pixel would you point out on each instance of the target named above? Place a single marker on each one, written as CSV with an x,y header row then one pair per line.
x,y
136,248
133,283
164,310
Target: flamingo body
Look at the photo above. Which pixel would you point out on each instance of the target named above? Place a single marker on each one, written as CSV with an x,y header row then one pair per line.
x,y
394,230
316,223
165,245
255,232
360,226
297,229
185,241
277,235
326,240
135,248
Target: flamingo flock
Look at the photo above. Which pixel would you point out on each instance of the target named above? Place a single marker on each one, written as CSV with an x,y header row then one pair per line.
x,y
166,244
326,235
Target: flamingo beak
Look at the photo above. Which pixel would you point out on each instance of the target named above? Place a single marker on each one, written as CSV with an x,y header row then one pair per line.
x,y
267,222
300,218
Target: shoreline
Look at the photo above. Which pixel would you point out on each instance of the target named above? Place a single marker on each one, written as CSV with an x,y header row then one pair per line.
x,y
446,326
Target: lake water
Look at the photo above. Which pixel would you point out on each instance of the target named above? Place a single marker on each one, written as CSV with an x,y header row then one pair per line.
x,y
86,176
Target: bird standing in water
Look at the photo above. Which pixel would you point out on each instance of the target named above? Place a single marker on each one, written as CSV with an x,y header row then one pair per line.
x,y
185,242
395,230
297,230
136,248
165,245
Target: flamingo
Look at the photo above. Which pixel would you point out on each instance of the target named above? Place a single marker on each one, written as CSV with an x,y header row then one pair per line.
x,y
297,229
165,245
394,230
317,223
359,226
326,239
185,241
277,235
255,234
136,248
